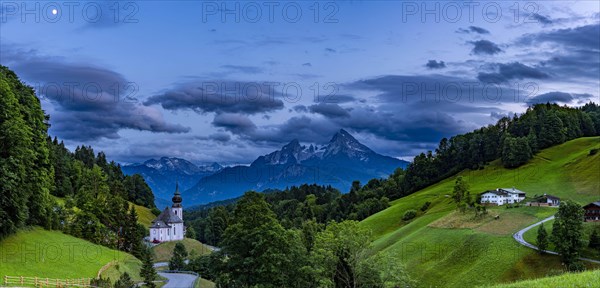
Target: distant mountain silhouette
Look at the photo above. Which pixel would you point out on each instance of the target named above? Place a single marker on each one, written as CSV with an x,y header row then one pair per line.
x,y
162,174
337,163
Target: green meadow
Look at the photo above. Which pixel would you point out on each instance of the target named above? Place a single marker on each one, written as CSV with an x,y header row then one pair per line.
x,y
35,252
445,248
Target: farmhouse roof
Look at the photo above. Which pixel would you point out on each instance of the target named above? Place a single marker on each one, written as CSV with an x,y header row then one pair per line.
x,y
597,204
512,190
551,197
497,192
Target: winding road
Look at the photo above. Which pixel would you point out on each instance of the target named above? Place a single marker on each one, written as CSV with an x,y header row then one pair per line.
x,y
178,280
519,237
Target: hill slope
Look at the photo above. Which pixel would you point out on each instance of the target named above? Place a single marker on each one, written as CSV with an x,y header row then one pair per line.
x,y
584,279
42,253
439,252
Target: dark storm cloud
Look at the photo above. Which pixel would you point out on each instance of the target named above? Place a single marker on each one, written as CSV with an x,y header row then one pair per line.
x,y
541,19
90,102
557,96
220,97
329,110
473,29
481,47
580,38
436,91
514,70
243,69
433,64
300,109
220,137
577,51
235,123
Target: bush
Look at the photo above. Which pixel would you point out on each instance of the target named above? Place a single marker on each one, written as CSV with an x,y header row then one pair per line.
x,y
155,211
594,151
410,214
425,206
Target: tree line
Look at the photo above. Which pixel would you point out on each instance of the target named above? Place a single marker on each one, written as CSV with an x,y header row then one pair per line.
x,y
45,184
258,251
296,205
514,140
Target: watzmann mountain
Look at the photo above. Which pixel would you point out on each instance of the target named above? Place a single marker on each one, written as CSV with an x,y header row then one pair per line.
x,y
338,163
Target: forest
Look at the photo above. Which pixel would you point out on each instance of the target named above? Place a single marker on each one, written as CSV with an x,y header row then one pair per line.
x,y
45,184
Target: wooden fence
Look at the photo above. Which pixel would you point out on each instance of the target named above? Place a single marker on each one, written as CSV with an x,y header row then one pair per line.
x,y
46,282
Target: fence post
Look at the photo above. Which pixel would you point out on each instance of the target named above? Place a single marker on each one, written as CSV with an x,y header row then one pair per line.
x,y
21,280
6,280
36,283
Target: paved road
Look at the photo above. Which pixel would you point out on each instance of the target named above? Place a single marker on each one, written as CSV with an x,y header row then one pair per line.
x,y
519,237
178,280
166,264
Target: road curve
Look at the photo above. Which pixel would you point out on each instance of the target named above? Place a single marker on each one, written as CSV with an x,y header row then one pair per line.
x,y
519,237
178,280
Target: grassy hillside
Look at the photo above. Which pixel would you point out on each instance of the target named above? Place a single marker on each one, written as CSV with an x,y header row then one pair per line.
x,y
164,251
441,248
42,253
569,280
145,215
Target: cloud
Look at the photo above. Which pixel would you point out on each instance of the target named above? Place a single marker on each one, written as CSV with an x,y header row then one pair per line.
x,y
557,96
235,123
485,47
307,64
330,50
473,29
220,97
84,101
575,51
433,64
514,70
219,137
329,110
243,69
300,109
581,37
542,19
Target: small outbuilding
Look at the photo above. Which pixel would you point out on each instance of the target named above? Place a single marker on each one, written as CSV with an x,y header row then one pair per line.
x,y
592,212
545,200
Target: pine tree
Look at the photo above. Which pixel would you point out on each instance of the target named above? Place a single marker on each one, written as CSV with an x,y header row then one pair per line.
x,y
147,272
542,239
124,281
177,261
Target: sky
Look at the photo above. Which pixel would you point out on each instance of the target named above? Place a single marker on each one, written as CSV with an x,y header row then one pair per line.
x,y
229,81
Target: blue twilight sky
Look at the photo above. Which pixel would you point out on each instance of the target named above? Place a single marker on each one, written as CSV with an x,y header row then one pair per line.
x,y
228,81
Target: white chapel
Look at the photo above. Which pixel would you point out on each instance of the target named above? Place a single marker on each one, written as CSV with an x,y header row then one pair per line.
x,y
168,226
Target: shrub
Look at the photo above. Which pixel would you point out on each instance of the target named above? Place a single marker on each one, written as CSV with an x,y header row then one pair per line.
x,y
594,151
425,206
410,214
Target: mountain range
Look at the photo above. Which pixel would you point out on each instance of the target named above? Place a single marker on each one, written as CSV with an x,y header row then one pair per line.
x,y
337,163
162,174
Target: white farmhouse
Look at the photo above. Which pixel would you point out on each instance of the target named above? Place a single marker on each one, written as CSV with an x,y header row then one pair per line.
x,y
168,226
502,196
